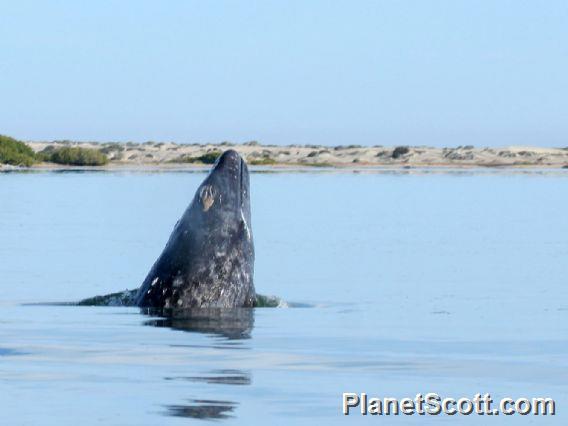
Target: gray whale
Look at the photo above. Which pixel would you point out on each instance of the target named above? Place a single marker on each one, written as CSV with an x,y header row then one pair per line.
x,y
208,261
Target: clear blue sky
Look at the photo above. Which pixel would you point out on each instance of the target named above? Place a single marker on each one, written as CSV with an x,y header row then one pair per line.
x,y
326,72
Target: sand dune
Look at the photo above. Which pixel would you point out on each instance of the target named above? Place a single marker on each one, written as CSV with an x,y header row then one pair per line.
x,y
353,156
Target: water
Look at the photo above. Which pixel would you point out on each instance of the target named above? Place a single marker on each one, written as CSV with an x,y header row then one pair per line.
x,y
453,283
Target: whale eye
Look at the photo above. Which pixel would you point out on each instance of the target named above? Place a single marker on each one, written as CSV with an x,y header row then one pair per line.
x,y
207,196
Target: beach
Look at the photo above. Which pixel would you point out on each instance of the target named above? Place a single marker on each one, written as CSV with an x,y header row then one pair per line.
x,y
167,155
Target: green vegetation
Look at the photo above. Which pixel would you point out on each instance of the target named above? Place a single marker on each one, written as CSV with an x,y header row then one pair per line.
x,y
321,164
18,153
210,157
207,158
399,151
316,153
74,156
15,152
110,147
266,161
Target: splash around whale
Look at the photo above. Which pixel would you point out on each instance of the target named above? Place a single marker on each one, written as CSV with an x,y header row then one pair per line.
x,y
208,261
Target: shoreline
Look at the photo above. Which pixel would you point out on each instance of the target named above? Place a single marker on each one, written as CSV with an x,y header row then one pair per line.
x,y
170,156
375,169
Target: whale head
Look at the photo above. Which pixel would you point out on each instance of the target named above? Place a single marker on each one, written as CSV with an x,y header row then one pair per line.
x,y
208,261
224,195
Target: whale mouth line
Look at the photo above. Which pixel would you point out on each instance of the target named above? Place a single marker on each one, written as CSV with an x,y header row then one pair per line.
x,y
242,188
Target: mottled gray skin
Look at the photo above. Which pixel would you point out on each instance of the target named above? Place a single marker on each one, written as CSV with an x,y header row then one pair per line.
x,y
208,261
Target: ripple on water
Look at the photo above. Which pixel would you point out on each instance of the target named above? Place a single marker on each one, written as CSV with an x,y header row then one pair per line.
x,y
10,352
203,409
220,377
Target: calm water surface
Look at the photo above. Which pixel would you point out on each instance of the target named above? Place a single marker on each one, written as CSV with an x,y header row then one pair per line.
x,y
455,283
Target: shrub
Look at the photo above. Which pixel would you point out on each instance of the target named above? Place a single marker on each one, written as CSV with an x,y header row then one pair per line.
x,y
399,151
210,157
181,159
207,158
320,164
110,147
266,161
74,156
15,152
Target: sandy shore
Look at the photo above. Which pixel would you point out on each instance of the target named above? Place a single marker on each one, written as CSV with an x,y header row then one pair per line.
x,y
166,155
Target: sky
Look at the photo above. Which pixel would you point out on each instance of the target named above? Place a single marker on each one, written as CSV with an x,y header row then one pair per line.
x,y
438,73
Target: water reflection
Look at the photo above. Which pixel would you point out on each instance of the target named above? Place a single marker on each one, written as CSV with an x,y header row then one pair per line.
x,y
10,352
203,409
220,377
234,325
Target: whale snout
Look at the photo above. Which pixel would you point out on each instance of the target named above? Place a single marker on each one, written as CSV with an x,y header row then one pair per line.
x,y
226,189
232,170
230,159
